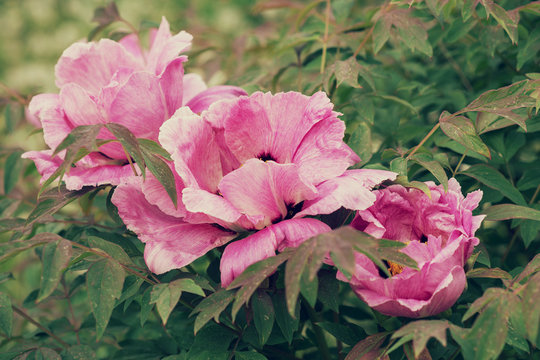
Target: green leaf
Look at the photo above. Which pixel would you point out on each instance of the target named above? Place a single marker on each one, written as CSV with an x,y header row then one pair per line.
x,y
287,324
529,230
422,331
165,297
462,130
531,307
104,281
399,101
342,9
399,165
510,211
129,142
14,224
532,267
360,142
110,249
503,18
79,352
252,277
12,248
529,50
53,200
152,147
54,258
309,287
427,162
368,345
347,72
341,332
146,306
211,307
249,355
12,170
485,340
263,315
494,273
489,176
40,353
381,34
468,8
6,315
163,173
328,288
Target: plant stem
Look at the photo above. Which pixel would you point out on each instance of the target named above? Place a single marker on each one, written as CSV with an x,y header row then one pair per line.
x,y
459,163
325,39
38,325
424,140
364,41
14,94
535,195
321,340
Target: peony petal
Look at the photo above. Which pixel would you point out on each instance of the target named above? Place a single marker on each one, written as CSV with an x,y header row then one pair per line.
x,y
193,85
46,165
139,105
170,242
322,154
47,108
201,201
155,194
77,177
164,47
132,44
190,141
352,190
79,107
171,85
204,99
92,65
293,232
265,188
239,254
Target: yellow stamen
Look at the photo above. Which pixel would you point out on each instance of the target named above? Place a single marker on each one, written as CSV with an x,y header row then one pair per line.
x,y
394,268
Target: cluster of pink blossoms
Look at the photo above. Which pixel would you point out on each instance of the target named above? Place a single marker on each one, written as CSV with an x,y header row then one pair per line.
x,y
252,172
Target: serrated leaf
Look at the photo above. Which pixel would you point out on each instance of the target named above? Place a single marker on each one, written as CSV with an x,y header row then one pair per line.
x,y
104,280
433,167
531,307
211,307
263,315
503,18
347,72
494,273
12,170
252,277
511,211
422,331
6,315
462,130
489,176
54,258
485,340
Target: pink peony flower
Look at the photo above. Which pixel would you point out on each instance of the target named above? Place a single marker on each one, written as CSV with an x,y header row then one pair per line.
x,y
108,81
439,232
252,168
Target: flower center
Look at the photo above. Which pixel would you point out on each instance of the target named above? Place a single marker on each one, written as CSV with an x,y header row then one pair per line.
x,y
394,268
266,157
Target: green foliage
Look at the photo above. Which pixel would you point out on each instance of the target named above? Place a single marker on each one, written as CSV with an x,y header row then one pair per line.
x,y
430,89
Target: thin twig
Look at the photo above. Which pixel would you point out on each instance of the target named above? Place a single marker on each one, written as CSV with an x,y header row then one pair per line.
x,y
424,140
38,325
459,163
14,94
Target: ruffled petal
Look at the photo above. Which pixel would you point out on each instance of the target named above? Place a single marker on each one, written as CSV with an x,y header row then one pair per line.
x,y
352,190
171,85
131,43
139,105
190,141
193,85
92,65
204,99
79,107
46,165
47,108
293,232
164,47
265,188
239,254
322,154
170,242
215,206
